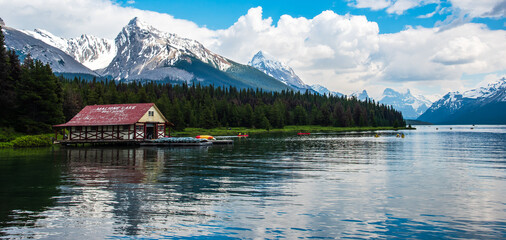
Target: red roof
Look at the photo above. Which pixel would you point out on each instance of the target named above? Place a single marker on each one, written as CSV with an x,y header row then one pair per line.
x,y
114,114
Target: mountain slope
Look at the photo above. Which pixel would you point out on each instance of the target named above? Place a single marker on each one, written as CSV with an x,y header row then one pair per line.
x,y
410,106
485,105
59,61
94,53
362,96
278,70
323,90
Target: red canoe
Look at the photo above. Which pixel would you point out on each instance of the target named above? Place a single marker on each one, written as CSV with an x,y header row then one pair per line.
x,y
303,133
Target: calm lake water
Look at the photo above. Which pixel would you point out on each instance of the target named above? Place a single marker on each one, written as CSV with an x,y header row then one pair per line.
x,y
445,183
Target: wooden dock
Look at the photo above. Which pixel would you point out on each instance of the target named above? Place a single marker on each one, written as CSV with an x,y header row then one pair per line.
x,y
143,143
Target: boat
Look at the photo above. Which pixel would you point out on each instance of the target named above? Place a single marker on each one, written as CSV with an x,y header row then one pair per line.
x,y
303,133
242,135
208,137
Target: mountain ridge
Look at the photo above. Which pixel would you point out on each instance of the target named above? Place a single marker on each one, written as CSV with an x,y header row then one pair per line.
x,y
59,61
483,105
141,52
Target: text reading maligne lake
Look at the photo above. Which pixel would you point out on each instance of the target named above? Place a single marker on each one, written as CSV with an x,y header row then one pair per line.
x,y
445,183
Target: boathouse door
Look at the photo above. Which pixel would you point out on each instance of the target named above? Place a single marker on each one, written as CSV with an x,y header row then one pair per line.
x,y
150,131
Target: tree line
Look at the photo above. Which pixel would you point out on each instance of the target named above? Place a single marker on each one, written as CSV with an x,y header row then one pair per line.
x,y
196,105
32,99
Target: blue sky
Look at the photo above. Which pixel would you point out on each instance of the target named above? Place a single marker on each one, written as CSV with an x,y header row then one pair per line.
x,y
220,14
428,46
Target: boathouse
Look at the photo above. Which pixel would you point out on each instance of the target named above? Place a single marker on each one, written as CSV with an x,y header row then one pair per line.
x,y
116,123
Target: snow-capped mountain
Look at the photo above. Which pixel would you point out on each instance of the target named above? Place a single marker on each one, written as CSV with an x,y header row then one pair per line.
x,y
143,52
93,52
323,90
278,70
484,105
362,96
59,61
410,106
139,52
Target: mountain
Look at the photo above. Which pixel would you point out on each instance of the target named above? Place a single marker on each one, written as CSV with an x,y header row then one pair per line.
x,y
410,106
59,61
323,90
145,53
93,52
139,52
278,70
484,105
361,95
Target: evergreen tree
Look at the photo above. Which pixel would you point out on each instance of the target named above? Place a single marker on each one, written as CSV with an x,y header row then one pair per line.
x,y
9,75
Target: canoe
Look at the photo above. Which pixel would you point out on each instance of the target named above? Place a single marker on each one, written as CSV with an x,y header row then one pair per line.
x,y
208,137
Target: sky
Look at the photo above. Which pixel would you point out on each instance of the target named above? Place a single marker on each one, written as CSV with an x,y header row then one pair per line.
x,y
428,46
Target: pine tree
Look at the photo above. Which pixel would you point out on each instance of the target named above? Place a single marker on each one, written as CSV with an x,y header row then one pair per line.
x,y
9,75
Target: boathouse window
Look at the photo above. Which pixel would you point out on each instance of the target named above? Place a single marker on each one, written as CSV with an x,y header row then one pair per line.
x,y
78,129
126,127
160,128
139,127
151,113
94,128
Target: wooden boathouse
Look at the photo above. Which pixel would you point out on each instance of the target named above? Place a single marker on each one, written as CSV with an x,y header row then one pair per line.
x,y
115,123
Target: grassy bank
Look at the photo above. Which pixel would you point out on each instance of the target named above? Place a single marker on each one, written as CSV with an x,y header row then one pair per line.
x,y
11,139
222,131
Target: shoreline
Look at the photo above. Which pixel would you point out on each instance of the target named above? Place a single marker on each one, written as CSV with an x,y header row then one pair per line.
x,y
223,131
45,140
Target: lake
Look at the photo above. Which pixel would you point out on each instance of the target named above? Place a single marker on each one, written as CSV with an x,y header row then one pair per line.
x,y
446,183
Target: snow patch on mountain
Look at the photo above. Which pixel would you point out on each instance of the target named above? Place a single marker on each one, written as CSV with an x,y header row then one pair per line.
x,y
59,61
486,92
325,91
411,106
362,96
93,52
480,105
278,70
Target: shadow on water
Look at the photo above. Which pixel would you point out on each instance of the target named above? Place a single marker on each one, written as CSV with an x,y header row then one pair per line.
x,y
29,181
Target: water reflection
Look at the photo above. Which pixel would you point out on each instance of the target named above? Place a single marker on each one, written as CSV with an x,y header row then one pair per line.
x,y
431,184
29,180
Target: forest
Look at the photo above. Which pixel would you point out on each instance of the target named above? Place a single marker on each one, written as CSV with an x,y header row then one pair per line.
x,y
33,98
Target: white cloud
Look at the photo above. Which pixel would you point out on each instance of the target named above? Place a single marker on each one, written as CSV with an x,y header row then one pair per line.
x,y
343,52
469,8
392,6
460,50
482,8
97,17
322,50
347,53
372,4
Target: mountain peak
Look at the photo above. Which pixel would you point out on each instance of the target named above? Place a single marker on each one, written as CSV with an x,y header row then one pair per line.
x,y
276,69
2,23
363,96
410,106
134,21
138,23
323,90
264,57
